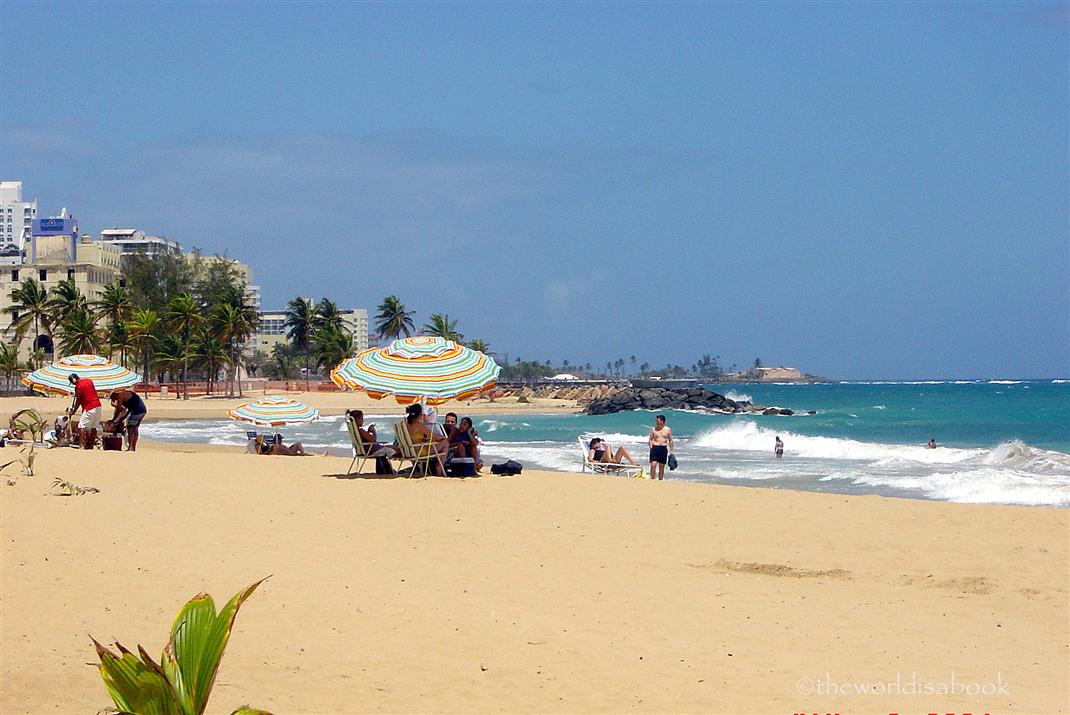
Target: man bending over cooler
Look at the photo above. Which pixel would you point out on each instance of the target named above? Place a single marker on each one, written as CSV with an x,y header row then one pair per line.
x,y
129,407
85,397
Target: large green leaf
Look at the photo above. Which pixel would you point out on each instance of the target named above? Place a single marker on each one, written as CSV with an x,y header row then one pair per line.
x,y
198,638
136,685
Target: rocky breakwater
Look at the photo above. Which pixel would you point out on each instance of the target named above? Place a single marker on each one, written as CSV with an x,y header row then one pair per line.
x,y
692,398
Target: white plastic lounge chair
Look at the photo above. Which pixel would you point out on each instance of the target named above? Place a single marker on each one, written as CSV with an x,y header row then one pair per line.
x,y
602,467
423,452
250,445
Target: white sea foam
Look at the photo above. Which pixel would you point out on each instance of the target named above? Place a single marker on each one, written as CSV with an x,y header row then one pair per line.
x,y
748,436
982,485
879,407
1004,382
544,455
738,396
1059,382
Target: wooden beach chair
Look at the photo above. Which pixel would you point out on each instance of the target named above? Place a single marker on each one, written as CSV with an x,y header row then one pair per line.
x,y
584,441
422,453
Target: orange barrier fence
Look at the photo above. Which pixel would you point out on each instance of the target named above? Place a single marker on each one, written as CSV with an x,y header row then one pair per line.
x,y
166,390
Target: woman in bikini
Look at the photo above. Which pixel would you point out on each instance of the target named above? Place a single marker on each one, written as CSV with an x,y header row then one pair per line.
x,y
603,453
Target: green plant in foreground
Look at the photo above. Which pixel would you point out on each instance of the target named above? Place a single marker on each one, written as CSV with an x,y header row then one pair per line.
x,y
25,458
61,488
182,681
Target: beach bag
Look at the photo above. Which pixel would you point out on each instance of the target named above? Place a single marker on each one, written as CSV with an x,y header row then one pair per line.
x,y
507,469
673,464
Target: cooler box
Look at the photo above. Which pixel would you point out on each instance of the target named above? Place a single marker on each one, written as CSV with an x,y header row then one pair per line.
x,y
461,467
112,442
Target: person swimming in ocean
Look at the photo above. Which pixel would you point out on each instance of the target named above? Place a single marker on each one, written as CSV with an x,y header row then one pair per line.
x,y
778,448
932,444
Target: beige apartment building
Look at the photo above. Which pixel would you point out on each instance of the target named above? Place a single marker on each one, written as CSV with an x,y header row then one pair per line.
x,y
91,264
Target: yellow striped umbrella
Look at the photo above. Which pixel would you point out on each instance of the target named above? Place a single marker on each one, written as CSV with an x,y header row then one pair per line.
x,y
106,375
420,369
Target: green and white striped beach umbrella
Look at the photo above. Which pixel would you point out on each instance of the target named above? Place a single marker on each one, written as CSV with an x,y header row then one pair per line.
x,y
274,411
419,369
106,375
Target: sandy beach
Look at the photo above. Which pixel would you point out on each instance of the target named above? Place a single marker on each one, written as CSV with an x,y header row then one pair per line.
x,y
547,592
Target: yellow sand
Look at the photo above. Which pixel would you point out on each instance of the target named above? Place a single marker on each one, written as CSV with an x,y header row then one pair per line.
x,y
540,593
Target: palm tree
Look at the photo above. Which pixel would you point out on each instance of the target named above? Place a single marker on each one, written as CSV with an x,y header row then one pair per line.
x,y
169,356
114,304
480,346
233,325
300,324
30,307
392,320
143,327
282,364
78,333
119,339
66,300
183,315
9,362
328,314
234,320
332,345
209,353
440,325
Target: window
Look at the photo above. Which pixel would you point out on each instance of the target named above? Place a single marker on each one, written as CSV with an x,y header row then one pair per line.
x,y
43,273
70,273
15,275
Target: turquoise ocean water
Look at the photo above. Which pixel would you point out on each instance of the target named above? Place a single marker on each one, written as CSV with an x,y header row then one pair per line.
x,y
1002,441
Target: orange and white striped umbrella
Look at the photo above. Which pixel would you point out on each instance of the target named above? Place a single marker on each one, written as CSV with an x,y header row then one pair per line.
x,y
106,375
419,369
274,411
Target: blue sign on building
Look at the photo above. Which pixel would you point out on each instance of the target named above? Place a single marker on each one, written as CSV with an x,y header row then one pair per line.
x,y
54,227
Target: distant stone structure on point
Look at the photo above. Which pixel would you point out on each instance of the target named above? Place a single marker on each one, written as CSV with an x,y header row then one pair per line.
x,y
768,374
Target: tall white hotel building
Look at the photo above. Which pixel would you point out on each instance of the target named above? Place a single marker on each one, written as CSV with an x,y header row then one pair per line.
x,y
15,218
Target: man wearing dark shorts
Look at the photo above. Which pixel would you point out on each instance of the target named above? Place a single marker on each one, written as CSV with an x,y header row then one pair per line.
x,y
129,406
660,443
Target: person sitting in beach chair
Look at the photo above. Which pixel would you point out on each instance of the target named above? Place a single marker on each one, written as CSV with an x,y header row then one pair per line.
x,y
464,441
602,453
366,443
272,444
422,433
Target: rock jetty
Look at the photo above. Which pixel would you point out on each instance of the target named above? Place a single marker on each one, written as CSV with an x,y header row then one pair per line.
x,y
692,398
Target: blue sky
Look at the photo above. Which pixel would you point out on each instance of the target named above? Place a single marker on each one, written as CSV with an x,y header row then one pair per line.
x,y
858,190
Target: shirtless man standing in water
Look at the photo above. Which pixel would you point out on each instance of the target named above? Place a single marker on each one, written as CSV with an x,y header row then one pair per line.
x,y
660,443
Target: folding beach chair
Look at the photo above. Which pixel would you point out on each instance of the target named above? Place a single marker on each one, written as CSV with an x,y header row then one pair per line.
x,y
603,467
360,447
423,452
